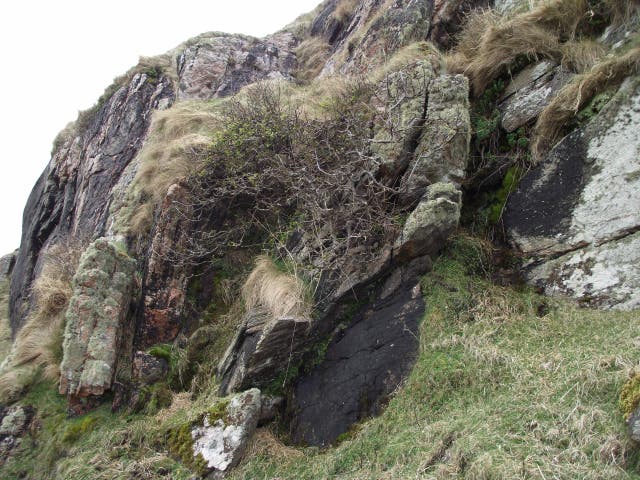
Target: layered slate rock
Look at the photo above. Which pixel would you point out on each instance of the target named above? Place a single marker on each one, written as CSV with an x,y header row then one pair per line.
x,y
576,216
72,196
95,320
529,92
364,361
219,65
262,349
222,441
443,151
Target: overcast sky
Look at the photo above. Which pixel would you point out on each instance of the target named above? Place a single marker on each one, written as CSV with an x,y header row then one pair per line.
x,y
58,57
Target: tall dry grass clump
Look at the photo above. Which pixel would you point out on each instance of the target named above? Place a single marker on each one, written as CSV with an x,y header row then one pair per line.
x,y
573,97
282,294
312,55
174,150
38,344
490,43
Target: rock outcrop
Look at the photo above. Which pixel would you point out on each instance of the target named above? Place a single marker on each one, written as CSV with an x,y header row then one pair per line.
x,y
529,92
14,423
218,65
576,216
223,436
434,219
72,196
363,362
96,320
443,151
6,265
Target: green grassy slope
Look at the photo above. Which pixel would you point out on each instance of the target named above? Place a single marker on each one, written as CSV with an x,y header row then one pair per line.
x,y
508,385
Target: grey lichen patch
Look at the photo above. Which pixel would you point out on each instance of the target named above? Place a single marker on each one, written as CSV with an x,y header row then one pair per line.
x,y
94,319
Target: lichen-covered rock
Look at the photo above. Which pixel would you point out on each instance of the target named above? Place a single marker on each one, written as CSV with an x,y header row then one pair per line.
x,y
529,92
222,441
400,106
430,224
577,214
634,425
95,319
219,65
443,152
148,369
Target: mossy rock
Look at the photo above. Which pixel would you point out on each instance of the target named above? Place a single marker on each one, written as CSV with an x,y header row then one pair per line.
x,y
630,396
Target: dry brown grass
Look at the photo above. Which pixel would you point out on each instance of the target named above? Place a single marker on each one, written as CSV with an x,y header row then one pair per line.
x,y
312,55
265,443
573,97
582,55
281,294
490,43
344,10
173,151
38,344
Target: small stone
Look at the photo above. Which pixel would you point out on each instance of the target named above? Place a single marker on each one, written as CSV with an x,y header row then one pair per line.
x,y
149,369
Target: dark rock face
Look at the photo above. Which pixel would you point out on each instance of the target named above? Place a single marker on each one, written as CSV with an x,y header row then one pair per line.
x,y
71,198
220,65
165,283
576,217
448,18
364,362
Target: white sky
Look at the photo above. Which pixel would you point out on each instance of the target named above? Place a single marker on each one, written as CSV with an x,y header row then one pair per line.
x,y
58,56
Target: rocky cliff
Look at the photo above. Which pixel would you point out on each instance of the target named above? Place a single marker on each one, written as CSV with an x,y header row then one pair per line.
x,y
256,221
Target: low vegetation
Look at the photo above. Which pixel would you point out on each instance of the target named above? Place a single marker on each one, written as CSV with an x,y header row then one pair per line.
x,y
508,384
37,348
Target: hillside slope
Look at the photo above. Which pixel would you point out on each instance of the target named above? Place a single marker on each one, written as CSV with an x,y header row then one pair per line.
x,y
396,239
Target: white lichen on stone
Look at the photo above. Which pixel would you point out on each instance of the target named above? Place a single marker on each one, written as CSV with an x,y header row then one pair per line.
x,y
610,202
223,442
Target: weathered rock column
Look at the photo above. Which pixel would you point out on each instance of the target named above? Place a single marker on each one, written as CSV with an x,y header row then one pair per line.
x,y
98,309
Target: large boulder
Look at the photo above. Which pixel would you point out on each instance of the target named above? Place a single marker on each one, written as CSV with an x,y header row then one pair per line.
x,y
576,216
95,320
